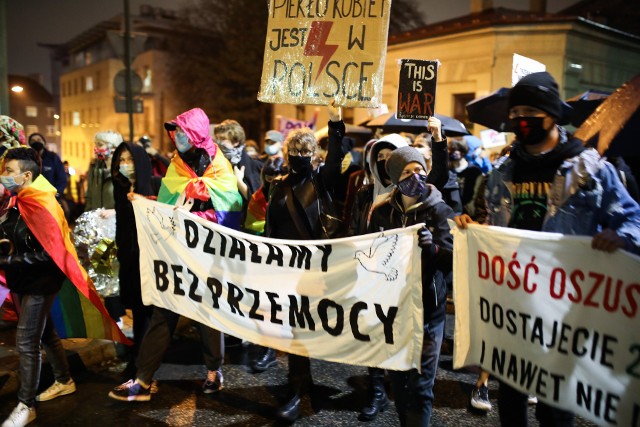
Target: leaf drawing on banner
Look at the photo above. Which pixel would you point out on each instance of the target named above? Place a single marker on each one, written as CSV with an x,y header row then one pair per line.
x,y
164,226
378,259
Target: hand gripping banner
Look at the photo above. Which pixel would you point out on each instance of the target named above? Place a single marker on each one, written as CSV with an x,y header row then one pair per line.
x,y
354,300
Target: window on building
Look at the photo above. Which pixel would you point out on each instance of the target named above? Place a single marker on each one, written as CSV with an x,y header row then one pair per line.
x,y
75,118
97,80
88,58
75,86
300,112
31,129
31,111
347,115
50,112
51,130
460,101
147,81
78,59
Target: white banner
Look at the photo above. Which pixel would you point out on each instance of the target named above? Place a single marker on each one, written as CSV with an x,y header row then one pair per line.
x,y
552,317
523,66
353,300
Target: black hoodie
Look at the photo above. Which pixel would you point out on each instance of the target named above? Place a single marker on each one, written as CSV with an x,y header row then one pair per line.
x,y
437,261
126,232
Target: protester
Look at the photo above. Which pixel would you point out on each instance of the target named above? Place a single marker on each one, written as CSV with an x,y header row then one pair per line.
x,y
575,193
159,163
300,208
251,147
11,133
52,167
198,161
99,188
33,276
132,174
230,137
414,201
468,175
475,154
273,140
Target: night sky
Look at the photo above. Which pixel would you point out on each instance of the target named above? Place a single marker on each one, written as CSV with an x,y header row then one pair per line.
x,y
58,21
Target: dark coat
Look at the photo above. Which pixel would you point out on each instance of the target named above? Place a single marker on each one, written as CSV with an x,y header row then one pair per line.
x,y
53,170
126,232
437,261
312,196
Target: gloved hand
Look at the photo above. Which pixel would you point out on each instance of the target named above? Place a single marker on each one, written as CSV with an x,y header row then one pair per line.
x,y
425,238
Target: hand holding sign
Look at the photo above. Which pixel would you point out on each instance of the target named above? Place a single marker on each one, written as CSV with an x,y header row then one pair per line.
x,y
335,111
434,125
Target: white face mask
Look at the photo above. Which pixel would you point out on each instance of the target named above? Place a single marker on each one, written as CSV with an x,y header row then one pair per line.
x,y
9,182
128,170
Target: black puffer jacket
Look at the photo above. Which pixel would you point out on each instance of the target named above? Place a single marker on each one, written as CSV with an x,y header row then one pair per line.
x,y
28,269
436,261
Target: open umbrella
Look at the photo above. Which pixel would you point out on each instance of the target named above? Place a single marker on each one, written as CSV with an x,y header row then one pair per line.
x,y
616,122
492,111
585,104
390,123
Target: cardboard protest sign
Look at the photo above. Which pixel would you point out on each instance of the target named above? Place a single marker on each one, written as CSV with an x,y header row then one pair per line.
x,y
550,316
417,89
317,51
523,66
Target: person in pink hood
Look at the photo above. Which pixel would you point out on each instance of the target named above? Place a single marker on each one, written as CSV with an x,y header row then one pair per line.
x,y
201,180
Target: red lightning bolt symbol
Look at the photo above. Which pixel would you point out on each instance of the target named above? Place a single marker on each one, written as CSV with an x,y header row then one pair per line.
x,y
316,43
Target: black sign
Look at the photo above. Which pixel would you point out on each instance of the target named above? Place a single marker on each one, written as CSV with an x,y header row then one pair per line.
x,y
417,89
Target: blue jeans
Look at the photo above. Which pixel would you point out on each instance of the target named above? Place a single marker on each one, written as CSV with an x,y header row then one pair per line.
x,y
35,326
157,339
413,391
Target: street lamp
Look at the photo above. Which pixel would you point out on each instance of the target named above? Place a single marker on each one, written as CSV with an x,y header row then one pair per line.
x,y
17,89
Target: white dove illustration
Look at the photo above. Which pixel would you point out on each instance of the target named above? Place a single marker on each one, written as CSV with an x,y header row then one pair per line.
x,y
380,253
165,226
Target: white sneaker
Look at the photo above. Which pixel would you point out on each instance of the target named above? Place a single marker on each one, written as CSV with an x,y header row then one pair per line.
x,y
56,390
20,416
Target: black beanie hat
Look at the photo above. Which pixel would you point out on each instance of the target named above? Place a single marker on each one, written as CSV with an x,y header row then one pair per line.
x,y
400,158
538,90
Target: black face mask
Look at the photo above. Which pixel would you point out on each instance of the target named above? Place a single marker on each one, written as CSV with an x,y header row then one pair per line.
x,y
300,164
37,145
382,172
529,130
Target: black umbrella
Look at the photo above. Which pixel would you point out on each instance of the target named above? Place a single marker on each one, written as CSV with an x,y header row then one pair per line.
x,y
390,123
492,111
615,124
585,104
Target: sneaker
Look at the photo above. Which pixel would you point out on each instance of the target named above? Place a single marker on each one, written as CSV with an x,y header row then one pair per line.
x,y
532,400
480,398
131,391
56,390
20,416
213,383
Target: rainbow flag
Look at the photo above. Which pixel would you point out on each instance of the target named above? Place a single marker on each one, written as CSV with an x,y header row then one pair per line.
x,y
256,213
78,310
218,183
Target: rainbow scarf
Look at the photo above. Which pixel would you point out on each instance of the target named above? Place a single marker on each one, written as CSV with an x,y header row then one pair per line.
x,y
256,213
78,310
218,183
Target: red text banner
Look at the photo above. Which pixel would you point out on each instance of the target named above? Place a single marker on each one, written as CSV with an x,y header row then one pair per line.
x,y
552,317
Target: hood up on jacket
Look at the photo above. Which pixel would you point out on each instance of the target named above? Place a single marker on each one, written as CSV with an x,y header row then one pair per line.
x,y
392,141
195,124
143,169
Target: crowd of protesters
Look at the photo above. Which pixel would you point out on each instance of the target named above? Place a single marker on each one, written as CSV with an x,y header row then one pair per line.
x,y
287,194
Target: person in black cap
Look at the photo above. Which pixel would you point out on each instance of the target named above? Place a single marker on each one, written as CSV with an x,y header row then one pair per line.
x,y
52,167
414,201
549,180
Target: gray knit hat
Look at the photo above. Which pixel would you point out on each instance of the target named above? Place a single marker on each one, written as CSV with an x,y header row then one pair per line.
x,y
400,158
